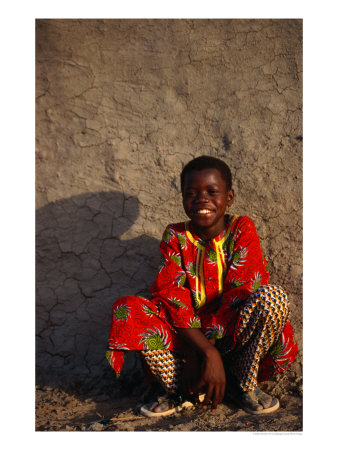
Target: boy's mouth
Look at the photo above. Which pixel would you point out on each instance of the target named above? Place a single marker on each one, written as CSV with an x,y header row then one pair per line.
x,y
202,212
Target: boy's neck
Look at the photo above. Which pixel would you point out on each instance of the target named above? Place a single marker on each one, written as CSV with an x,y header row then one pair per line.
x,y
206,235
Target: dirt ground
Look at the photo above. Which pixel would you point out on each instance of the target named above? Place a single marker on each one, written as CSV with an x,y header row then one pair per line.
x,y
61,410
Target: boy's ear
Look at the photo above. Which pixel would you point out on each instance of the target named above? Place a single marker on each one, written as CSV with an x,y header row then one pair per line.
x,y
230,197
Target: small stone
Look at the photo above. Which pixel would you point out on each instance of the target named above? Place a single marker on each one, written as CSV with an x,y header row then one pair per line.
x,y
96,427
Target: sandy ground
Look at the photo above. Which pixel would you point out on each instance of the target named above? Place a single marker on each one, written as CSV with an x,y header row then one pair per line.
x,y
58,410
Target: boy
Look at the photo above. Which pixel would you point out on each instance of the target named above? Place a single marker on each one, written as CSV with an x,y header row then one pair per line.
x,y
210,305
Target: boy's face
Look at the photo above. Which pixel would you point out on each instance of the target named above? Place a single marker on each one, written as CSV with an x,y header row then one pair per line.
x,y
205,198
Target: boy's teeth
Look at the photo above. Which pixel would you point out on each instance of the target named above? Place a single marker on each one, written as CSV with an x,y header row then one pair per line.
x,y
203,211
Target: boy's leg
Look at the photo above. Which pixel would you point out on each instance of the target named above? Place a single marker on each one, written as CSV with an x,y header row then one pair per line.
x,y
263,319
166,366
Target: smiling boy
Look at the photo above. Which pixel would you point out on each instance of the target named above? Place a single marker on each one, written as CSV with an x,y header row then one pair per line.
x,y
212,310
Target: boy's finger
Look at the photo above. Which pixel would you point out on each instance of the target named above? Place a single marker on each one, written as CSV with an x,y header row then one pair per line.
x,y
207,397
220,394
217,399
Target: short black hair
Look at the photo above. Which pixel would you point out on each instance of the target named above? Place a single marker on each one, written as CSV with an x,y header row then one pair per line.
x,y
208,162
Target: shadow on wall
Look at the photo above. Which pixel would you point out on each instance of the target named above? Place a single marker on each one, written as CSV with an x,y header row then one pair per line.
x,y
83,265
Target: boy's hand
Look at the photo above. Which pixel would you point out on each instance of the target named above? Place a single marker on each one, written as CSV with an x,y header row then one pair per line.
x,y
213,379
204,367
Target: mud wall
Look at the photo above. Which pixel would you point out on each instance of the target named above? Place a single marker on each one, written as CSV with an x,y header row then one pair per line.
x,y
121,106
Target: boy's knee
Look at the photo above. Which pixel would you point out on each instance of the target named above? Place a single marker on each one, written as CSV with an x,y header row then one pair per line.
x,y
274,297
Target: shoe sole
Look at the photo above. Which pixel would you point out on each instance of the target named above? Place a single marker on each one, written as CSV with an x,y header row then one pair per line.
x,y
186,404
269,410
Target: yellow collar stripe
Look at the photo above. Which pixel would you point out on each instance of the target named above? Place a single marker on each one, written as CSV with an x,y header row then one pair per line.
x,y
221,265
191,238
200,300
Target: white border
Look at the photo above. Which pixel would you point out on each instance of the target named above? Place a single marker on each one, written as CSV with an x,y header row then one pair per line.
x,y
320,205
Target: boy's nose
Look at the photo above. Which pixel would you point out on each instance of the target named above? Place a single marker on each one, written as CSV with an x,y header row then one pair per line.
x,y
201,197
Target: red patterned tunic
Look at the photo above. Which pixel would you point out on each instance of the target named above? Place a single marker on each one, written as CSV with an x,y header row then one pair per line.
x,y
200,284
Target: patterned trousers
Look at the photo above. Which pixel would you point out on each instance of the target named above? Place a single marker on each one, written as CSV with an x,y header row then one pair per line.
x,y
263,318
